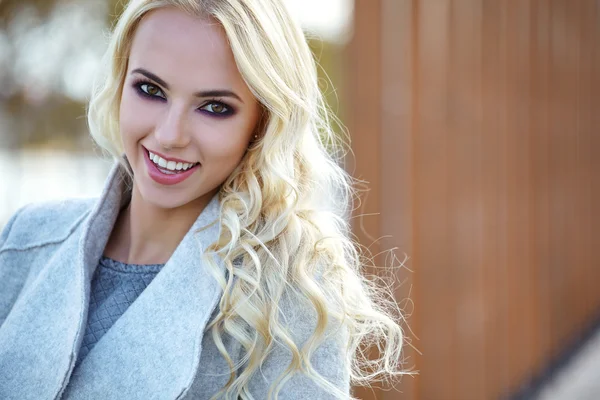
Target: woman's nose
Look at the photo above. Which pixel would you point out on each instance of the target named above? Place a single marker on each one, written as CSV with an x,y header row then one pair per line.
x,y
172,131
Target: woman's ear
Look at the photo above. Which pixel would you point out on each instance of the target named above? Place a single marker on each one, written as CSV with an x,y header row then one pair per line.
x,y
259,129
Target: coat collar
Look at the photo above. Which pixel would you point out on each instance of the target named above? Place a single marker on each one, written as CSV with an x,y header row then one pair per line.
x,y
152,350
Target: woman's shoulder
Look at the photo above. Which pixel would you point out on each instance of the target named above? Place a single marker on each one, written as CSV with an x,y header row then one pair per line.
x,y
40,223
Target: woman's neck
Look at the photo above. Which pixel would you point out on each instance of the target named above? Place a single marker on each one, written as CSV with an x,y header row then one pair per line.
x,y
147,234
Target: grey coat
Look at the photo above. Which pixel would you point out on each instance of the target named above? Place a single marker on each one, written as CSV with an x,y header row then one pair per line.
x,y
158,349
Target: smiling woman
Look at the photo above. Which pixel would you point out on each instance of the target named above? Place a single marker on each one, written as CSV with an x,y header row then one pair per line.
x,y
217,262
184,101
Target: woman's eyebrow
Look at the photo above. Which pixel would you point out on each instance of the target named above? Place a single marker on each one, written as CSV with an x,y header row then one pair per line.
x,y
204,93
218,93
150,75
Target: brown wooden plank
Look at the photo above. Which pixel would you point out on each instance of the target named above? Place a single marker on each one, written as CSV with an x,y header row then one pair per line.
x,y
494,117
437,332
465,205
585,95
595,160
398,44
364,122
540,87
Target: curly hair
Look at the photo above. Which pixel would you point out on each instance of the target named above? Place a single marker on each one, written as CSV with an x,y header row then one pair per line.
x,y
283,209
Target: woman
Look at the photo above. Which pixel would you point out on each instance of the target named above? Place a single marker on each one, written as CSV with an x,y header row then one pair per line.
x,y
216,263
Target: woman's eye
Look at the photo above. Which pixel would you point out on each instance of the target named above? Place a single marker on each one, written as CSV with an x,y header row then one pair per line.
x,y
216,108
151,90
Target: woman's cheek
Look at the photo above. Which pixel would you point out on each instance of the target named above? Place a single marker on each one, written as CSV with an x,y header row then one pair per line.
x,y
134,115
126,111
228,139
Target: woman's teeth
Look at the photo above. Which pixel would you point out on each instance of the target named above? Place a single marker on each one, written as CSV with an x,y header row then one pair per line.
x,y
169,167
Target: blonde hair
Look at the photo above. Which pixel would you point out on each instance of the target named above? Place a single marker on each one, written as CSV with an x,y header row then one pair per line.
x,y
277,212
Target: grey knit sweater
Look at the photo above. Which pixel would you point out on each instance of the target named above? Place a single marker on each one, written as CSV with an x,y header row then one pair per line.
x,y
115,286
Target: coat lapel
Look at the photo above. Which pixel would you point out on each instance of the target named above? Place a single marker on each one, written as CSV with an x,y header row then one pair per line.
x,y
40,337
152,350
37,339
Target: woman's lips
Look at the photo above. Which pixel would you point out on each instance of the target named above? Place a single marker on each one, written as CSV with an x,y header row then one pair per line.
x,y
166,179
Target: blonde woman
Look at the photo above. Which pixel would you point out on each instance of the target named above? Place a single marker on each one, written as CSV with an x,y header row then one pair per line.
x,y
217,262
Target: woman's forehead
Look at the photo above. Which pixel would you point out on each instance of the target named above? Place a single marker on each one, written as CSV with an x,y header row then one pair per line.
x,y
177,46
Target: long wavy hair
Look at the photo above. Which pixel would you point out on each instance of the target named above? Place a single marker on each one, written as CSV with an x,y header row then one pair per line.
x,y
283,209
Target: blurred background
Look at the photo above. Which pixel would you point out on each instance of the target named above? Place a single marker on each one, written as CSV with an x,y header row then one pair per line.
x,y
473,123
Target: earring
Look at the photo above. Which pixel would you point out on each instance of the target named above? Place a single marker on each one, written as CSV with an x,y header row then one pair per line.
x,y
255,136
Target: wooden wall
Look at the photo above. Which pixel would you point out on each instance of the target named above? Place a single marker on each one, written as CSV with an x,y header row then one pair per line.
x,y
477,123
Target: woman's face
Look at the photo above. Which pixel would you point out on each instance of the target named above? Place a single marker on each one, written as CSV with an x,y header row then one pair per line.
x,y
184,101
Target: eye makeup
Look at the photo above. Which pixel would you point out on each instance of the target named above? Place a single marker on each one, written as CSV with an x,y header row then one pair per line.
x,y
139,84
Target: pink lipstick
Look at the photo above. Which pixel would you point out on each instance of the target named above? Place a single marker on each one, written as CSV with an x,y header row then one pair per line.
x,y
166,179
